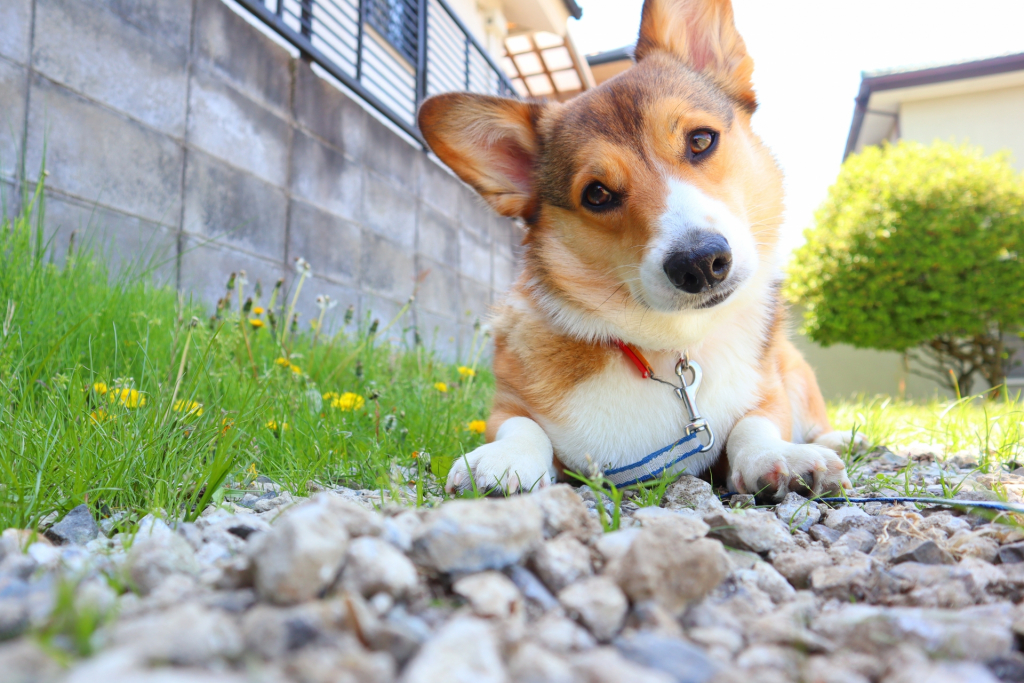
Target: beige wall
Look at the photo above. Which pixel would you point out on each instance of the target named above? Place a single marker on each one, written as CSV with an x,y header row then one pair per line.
x,y
993,120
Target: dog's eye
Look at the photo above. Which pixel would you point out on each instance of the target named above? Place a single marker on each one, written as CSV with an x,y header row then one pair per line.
x,y
701,141
597,195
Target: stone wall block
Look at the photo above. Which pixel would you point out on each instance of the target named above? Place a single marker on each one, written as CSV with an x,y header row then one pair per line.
x,y
169,21
231,126
390,211
440,188
15,24
126,243
328,113
392,157
438,237
234,207
96,53
475,299
206,266
474,213
475,256
439,289
229,47
331,244
325,177
97,155
386,268
13,81
505,272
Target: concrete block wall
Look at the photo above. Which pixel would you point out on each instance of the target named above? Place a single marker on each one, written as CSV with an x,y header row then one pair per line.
x,y
177,129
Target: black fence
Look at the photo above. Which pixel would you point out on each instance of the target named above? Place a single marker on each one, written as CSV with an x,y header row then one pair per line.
x,y
392,53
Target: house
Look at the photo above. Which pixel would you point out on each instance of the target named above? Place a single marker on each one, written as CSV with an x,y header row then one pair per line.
x,y
978,102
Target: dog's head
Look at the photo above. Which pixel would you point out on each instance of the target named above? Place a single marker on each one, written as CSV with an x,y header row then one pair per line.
x,y
652,184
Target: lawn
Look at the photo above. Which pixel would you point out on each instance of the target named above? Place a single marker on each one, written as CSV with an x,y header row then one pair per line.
x,y
130,398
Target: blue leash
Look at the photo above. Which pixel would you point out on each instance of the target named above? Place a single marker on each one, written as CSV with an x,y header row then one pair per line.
x,y
949,502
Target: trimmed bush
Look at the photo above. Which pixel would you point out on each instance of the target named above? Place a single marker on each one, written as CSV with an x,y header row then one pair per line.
x,y
919,249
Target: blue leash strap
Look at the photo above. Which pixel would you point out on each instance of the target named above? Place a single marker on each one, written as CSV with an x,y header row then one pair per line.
x,y
654,465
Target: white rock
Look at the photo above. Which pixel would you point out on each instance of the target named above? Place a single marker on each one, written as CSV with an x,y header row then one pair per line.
x,y
664,566
845,517
474,535
373,566
301,555
598,603
186,635
158,553
564,511
692,493
490,594
755,530
561,634
532,663
562,561
613,545
797,512
464,650
606,665
690,527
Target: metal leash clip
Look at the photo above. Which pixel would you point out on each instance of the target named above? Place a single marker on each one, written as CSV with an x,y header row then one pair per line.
x,y
687,393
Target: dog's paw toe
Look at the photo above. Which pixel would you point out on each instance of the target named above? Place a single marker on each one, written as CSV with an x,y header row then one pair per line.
x,y
807,469
496,468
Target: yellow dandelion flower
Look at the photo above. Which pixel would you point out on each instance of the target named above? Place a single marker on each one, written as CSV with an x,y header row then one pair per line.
x,y
441,386
256,323
272,426
466,372
295,368
99,416
330,396
100,388
477,426
251,471
129,398
348,401
257,310
188,407
283,362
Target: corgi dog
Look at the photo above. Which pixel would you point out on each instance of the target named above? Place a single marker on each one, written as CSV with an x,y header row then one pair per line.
x,y
652,215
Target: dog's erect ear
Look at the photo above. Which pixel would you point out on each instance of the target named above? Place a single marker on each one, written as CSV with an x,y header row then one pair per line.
x,y
702,33
490,142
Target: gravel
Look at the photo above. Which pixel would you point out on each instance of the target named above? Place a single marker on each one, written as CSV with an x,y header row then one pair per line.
x,y
529,588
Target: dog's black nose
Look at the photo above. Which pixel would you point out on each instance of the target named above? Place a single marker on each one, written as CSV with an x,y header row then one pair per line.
x,y
701,264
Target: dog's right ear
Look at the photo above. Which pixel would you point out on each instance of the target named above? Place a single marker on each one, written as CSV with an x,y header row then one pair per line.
x,y
490,142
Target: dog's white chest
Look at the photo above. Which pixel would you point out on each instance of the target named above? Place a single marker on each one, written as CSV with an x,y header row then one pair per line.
x,y
617,417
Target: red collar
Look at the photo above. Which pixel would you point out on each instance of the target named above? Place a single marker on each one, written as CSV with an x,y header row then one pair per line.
x,y
636,357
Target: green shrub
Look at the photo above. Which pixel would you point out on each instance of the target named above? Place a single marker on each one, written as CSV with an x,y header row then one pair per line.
x,y
919,249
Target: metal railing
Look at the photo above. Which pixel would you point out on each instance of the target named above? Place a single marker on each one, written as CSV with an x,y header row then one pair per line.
x,y
392,53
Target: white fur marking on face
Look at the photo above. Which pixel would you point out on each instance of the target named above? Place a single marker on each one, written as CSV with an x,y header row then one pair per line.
x,y
687,211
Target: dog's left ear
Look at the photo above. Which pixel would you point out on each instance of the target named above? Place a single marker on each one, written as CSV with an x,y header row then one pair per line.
x,y
702,33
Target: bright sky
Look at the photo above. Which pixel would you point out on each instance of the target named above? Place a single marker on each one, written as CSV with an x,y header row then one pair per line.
x,y
808,56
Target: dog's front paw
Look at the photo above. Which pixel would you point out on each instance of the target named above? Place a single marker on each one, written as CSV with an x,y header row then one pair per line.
x,y
844,442
774,471
501,466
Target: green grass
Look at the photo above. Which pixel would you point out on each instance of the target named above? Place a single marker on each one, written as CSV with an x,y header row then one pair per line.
x,y
124,395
